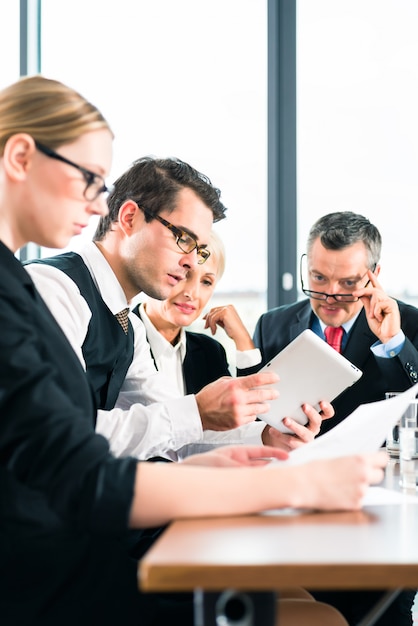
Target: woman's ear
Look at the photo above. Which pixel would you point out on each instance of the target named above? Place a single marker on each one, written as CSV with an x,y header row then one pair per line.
x,y
17,155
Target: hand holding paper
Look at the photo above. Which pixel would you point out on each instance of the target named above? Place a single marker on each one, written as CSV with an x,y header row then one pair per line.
x,y
364,430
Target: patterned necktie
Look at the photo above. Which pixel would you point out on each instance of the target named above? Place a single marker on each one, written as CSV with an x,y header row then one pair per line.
x,y
334,336
122,318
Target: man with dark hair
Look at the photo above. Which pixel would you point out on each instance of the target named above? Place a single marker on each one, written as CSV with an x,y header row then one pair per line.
x,y
160,216
378,334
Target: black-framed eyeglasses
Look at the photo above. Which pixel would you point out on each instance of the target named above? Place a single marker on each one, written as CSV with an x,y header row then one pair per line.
x,y
95,184
338,297
186,242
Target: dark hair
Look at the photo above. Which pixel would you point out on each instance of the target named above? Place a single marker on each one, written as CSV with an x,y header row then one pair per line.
x,y
344,228
154,184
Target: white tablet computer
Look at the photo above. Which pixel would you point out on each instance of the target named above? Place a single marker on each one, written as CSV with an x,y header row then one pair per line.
x,y
310,371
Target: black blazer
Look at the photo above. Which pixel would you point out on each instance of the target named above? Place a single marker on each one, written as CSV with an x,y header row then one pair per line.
x,y
64,500
279,326
205,361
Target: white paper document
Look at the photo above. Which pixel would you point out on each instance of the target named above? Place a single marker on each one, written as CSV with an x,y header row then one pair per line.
x,y
364,430
380,495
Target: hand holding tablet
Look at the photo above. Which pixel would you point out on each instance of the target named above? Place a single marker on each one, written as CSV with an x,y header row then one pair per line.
x,y
310,371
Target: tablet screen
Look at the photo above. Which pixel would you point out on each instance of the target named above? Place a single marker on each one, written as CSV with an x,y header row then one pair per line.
x,y
310,371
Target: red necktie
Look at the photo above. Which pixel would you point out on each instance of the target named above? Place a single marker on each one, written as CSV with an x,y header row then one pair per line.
x,y
334,336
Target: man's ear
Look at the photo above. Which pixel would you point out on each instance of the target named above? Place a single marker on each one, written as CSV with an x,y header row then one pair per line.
x,y
17,155
377,270
128,213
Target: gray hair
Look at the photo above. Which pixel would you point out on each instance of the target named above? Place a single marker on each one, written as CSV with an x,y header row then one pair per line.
x,y
342,229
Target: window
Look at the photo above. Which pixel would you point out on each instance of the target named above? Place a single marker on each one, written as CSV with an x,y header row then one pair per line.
x,y
184,79
357,81
9,42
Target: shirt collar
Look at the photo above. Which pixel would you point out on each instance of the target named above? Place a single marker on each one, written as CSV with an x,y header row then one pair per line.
x,y
159,344
347,325
103,277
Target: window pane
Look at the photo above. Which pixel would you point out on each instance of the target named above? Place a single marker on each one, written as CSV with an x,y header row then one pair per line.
x,y
9,42
358,124
184,79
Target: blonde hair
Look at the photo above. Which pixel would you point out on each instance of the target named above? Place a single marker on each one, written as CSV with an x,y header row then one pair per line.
x,y
217,249
48,110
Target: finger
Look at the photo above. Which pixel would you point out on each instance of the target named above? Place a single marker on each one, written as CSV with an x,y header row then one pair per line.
x,y
375,475
314,418
379,311
251,411
256,452
382,307
379,458
327,410
214,319
211,325
375,465
279,439
259,462
373,279
305,432
365,293
259,396
371,289
300,434
271,452
258,380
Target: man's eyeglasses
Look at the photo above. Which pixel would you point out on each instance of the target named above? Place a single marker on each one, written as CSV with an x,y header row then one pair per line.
x,y
338,297
95,184
184,240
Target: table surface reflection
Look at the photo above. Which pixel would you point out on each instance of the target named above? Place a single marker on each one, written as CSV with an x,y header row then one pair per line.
x,y
374,548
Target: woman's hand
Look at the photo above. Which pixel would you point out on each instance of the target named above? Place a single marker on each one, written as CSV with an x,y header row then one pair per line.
x,y
234,456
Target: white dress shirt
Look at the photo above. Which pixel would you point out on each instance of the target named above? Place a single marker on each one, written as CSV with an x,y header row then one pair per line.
x,y
151,418
168,358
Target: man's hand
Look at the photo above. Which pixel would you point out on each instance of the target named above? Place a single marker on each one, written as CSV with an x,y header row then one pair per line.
x,y
301,434
230,402
233,456
382,312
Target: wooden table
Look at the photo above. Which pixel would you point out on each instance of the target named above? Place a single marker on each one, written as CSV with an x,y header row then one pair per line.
x,y
375,548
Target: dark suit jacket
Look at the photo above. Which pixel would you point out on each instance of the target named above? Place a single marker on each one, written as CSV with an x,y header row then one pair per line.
x,y
64,500
279,326
205,361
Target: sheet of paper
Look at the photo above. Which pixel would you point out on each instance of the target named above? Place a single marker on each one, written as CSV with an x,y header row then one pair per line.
x,y
381,495
364,430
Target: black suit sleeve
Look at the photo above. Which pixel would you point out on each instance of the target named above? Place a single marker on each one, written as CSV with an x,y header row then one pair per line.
x,y
48,446
402,370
